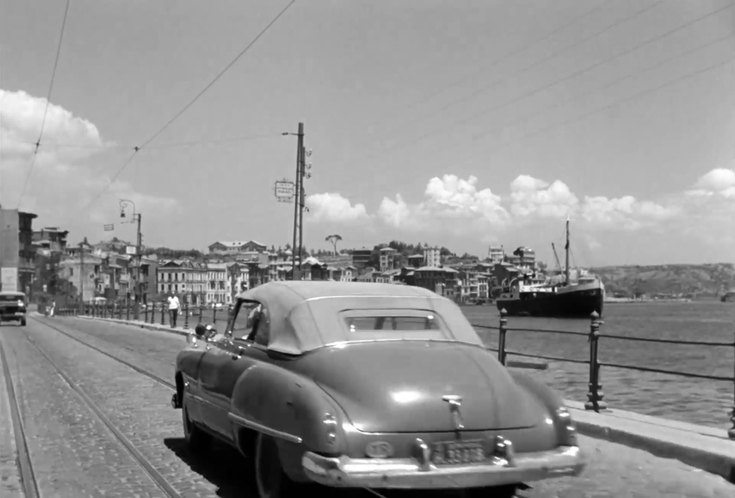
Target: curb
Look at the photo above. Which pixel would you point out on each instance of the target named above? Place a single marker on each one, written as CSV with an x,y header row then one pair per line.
x,y
705,448
702,447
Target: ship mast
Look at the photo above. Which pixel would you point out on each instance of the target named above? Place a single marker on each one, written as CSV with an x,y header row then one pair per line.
x,y
566,250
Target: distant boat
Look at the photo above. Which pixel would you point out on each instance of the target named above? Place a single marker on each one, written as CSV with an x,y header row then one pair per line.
x,y
565,298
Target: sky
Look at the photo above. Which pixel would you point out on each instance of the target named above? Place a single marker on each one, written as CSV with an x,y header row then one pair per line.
x,y
455,123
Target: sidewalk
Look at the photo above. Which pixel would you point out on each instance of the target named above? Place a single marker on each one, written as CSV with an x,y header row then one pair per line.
x,y
705,448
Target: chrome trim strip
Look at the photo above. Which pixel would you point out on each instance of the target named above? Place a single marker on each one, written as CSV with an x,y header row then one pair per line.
x,y
404,473
251,424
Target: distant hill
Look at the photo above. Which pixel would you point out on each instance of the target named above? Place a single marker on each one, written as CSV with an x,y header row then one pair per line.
x,y
703,280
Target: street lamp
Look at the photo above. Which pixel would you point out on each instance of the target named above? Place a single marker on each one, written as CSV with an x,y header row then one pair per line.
x,y
135,217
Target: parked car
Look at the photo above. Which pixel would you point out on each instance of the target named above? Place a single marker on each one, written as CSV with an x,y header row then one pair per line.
x,y
13,307
367,385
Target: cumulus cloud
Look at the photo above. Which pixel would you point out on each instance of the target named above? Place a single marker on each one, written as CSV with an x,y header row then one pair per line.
x,y
394,213
717,182
533,197
65,171
333,207
453,202
624,212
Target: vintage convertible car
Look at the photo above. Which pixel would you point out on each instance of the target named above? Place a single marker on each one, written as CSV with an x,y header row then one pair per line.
x,y
13,307
367,385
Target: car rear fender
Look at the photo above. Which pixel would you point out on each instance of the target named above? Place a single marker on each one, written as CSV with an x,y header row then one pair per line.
x,y
554,403
289,407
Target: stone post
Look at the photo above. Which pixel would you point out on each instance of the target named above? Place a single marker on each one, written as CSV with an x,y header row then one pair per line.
x,y
163,313
502,329
186,315
595,394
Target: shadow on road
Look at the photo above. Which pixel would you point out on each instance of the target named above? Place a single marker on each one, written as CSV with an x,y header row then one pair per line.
x,y
221,465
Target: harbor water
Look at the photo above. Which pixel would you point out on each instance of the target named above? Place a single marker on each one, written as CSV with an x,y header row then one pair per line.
x,y
699,401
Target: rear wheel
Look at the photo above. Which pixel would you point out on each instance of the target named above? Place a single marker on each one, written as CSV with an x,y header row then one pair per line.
x,y
271,480
195,437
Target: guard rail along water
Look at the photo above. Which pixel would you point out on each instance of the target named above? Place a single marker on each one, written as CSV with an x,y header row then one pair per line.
x,y
595,396
157,312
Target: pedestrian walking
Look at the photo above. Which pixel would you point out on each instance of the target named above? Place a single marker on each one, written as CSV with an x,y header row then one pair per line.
x,y
173,309
52,308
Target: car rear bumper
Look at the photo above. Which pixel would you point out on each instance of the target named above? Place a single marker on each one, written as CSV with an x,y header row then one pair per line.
x,y
413,473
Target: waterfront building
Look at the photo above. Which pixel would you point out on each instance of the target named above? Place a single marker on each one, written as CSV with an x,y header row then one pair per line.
x,y
50,239
523,258
16,250
82,271
387,259
415,260
496,254
237,247
432,257
361,257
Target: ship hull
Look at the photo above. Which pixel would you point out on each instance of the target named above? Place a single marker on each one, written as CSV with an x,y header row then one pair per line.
x,y
562,303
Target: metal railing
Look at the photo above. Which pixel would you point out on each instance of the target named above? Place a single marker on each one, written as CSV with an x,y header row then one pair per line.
x,y
152,313
595,396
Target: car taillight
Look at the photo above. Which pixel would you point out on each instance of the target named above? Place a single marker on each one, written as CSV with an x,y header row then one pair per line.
x,y
330,426
566,429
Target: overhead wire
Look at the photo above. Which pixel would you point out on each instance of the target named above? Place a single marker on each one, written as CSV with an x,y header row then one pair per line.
x,y
217,77
516,99
523,70
500,59
191,102
618,102
48,100
636,95
557,103
595,65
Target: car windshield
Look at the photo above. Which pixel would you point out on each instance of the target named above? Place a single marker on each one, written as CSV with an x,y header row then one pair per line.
x,y
394,324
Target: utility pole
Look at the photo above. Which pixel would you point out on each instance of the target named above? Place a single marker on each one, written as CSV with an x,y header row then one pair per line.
x,y
298,202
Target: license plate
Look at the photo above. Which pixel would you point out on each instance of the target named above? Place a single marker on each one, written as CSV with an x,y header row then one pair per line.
x,y
458,452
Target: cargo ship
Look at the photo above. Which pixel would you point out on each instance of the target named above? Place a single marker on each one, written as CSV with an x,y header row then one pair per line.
x,y
563,298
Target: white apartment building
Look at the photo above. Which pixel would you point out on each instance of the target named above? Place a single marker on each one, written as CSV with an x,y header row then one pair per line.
x,y
432,257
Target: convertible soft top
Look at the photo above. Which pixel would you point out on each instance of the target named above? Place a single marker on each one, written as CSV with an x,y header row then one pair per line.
x,y
305,315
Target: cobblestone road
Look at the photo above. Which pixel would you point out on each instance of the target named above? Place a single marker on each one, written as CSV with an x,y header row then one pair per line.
x,y
75,456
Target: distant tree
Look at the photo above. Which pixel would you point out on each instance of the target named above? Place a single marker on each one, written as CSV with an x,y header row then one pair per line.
x,y
334,238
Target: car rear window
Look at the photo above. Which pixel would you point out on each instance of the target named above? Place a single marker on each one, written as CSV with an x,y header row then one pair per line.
x,y
393,324
10,298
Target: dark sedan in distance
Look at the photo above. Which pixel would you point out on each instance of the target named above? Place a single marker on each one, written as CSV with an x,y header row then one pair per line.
x,y
368,385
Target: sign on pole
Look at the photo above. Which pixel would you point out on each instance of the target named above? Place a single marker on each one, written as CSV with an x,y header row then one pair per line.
x,y
131,250
284,190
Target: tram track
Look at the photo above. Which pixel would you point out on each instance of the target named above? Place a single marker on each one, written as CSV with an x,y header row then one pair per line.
x,y
25,466
128,364
30,486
